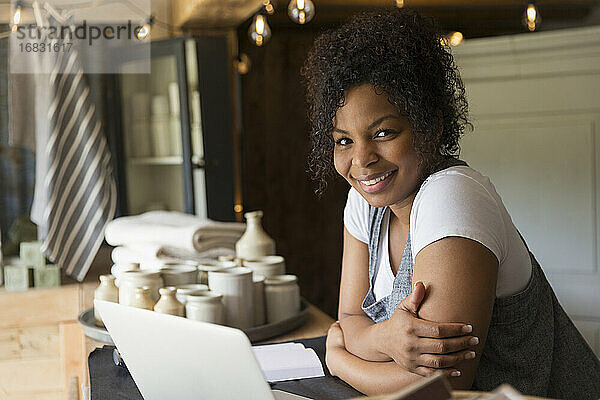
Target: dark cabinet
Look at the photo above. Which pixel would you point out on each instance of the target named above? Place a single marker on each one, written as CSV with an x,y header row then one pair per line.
x,y
170,130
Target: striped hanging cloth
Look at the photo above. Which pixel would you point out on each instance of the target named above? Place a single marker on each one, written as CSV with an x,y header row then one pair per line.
x,y
81,191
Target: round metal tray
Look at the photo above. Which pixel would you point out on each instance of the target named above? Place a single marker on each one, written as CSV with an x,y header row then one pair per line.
x,y
255,334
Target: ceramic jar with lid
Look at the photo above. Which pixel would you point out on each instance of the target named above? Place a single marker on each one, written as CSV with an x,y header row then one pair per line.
x,y
267,265
130,280
205,267
235,284
143,299
259,299
205,306
118,269
168,303
184,290
105,291
254,242
225,258
179,274
282,296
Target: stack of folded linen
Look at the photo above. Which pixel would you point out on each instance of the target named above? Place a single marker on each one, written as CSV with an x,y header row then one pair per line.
x,y
157,237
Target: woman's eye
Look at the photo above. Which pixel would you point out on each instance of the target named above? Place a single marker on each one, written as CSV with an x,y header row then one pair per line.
x,y
383,133
343,141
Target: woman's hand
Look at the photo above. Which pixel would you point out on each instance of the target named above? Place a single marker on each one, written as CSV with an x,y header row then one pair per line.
x,y
424,347
335,341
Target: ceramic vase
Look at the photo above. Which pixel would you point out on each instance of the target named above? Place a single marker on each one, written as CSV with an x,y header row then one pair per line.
x,y
205,267
235,284
130,280
108,291
282,296
254,242
259,299
168,303
267,266
184,290
179,274
143,299
205,306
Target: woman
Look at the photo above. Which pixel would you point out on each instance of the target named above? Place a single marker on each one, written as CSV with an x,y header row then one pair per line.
x,y
387,107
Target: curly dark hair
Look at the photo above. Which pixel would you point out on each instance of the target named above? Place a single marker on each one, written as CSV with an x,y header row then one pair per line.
x,y
399,53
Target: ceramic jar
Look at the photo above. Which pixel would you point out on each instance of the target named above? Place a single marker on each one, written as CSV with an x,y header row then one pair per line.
x,y
254,242
205,267
282,295
205,306
105,291
179,274
130,280
225,258
168,304
259,299
184,290
143,299
267,265
117,269
235,284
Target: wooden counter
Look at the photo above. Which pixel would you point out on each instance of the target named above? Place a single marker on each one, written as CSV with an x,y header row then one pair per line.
x,y
42,346
43,353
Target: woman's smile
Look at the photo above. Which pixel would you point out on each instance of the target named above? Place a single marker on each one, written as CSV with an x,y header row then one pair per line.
x,y
376,182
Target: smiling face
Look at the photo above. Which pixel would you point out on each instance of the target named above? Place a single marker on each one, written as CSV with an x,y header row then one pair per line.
x,y
374,148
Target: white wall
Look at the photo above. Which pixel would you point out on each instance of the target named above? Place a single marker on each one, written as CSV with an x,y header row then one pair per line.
x,y
535,105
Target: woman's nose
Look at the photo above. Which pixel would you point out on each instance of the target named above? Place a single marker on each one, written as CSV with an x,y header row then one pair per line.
x,y
363,155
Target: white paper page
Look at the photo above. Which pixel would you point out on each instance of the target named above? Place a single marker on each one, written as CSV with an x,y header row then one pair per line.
x,y
281,362
278,347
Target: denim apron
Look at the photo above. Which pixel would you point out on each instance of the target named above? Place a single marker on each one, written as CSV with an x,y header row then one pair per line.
x,y
531,342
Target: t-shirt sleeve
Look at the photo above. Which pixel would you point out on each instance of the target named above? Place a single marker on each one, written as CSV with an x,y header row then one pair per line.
x,y
457,205
356,216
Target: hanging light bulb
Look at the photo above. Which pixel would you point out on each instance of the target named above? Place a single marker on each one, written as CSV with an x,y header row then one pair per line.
x,y
399,3
454,38
16,17
269,7
242,63
144,31
531,17
301,11
259,31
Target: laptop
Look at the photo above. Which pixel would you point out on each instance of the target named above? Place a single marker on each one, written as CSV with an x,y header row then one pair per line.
x,y
176,358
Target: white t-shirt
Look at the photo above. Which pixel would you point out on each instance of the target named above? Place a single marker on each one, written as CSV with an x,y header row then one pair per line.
x,y
456,201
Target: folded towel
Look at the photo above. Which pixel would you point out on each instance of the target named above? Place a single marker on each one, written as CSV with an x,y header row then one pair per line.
x,y
155,256
147,260
173,229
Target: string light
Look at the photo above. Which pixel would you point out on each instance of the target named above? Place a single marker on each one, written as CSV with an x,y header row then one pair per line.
x,y
259,31
455,38
301,11
531,17
452,39
17,16
269,7
242,64
144,31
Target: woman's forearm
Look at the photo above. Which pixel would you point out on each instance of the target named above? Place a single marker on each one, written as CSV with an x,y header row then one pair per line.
x,y
363,337
368,377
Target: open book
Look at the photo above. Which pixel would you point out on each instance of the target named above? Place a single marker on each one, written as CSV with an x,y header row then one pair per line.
x,y
286,361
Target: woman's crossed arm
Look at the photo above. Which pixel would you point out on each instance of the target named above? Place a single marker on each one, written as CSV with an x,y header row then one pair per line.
x,y
460,275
